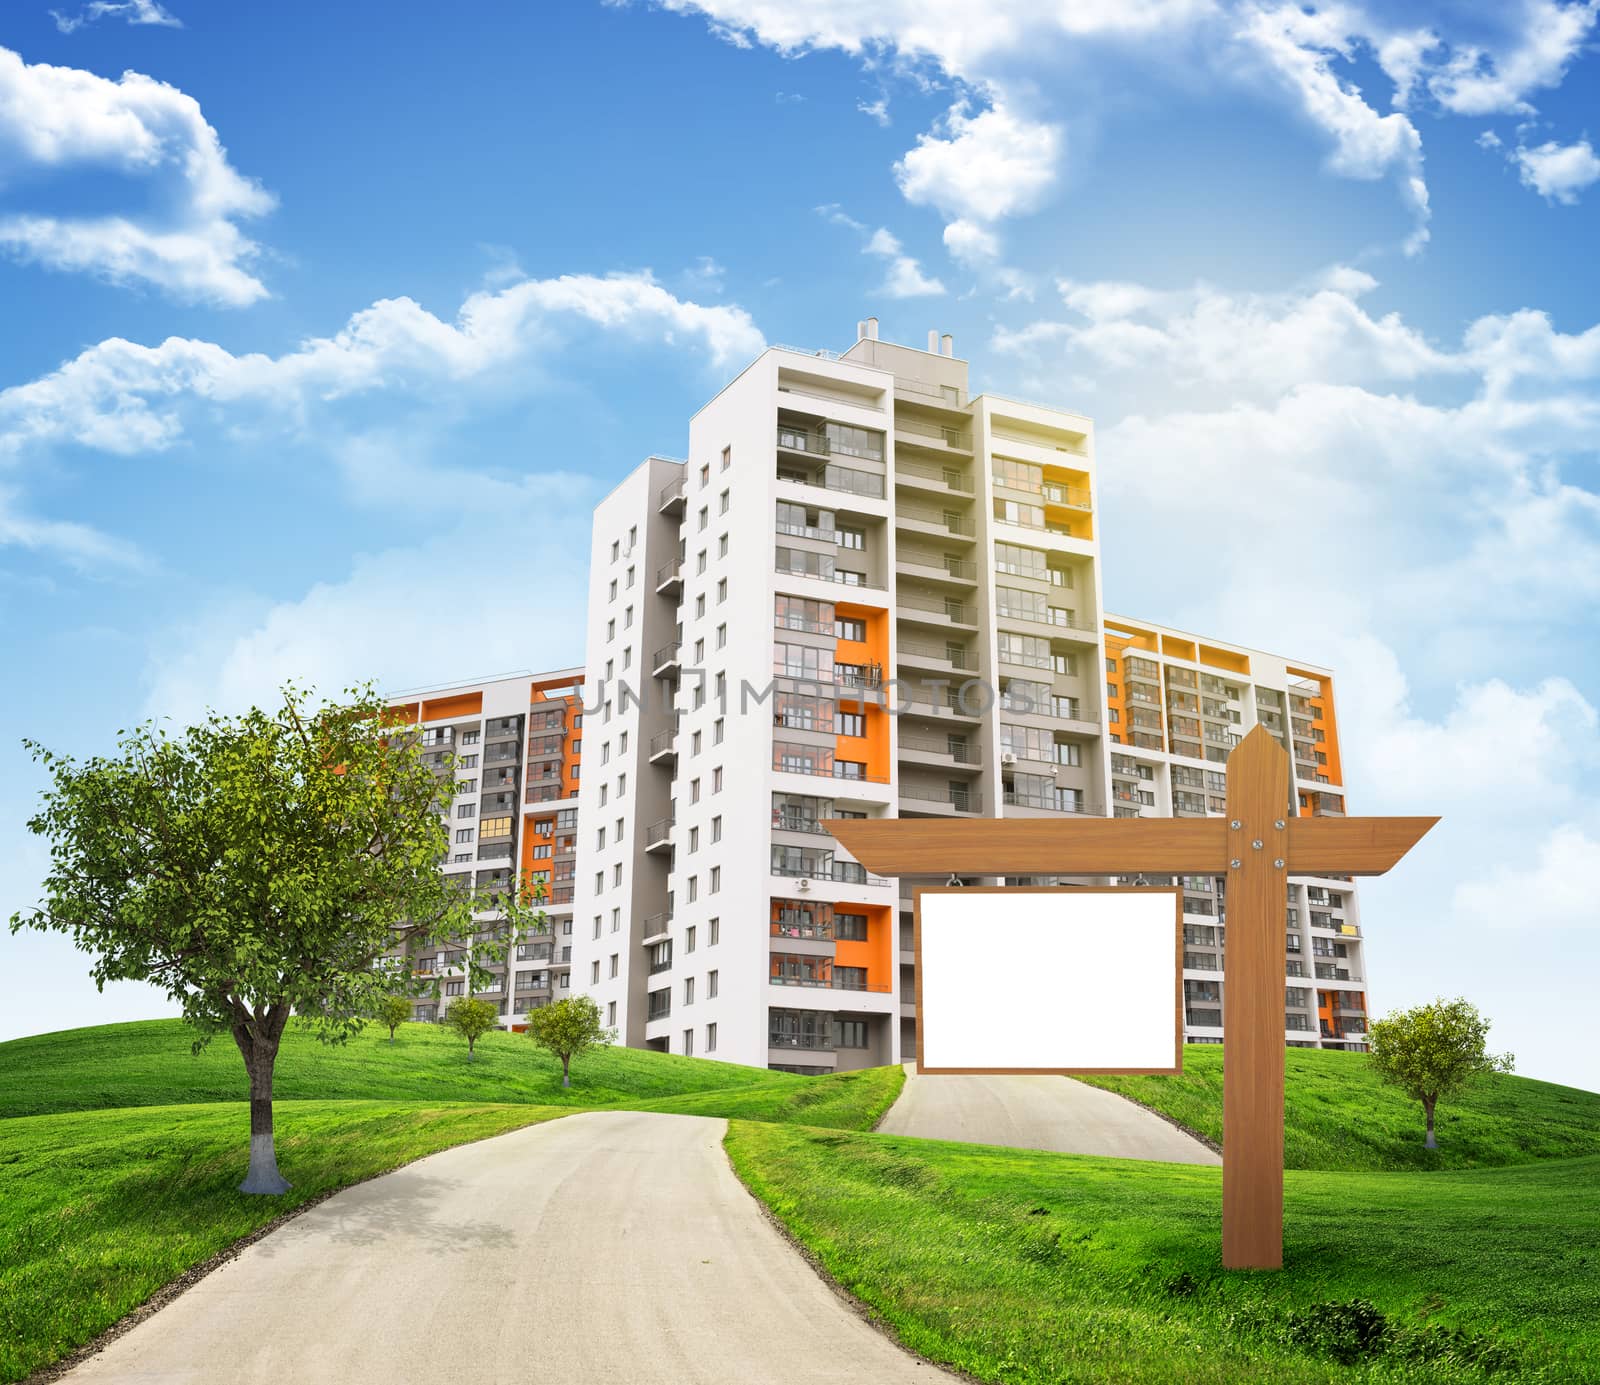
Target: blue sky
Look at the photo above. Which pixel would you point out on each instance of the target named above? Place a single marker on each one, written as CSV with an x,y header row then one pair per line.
x,y
326,326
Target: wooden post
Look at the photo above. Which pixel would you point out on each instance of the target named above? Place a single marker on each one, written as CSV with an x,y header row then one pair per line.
x,y
1253,1000
1258,844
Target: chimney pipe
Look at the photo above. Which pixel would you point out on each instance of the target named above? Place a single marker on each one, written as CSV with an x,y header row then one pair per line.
x,y
947,345
861,329
933,341
872,329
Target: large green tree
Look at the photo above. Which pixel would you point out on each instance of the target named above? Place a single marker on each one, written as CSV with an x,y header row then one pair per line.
x,y
266,864
567,1028
1433,1051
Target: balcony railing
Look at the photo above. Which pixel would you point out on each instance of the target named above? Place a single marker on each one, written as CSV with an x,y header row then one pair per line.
x,y
847,480
961,800
949,477
1077,497
663,743
798,822
950,437
951,524
956,658
658,833
669,572
655,924
958,611
839,872
962,568
815,1042
960,752
817,932
664,657
830,983
672,492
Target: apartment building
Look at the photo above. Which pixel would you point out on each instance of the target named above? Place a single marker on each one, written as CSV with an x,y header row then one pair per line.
x,y
865,592
869,592
513,746
1176,705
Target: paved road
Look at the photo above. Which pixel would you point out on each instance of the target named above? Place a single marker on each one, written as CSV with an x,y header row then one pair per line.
x,y
607,1247
1037,1113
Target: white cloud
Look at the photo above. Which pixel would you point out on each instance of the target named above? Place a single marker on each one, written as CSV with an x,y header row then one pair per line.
x,y
971,243
61,119
1009,54
1301,48
78,545
132,11
1477,82
122,397
1554,890
982,167
905,278
878,110
1488,140
1558,172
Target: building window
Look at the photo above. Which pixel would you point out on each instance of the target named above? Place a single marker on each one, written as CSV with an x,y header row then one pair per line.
x,y
844,537
722,504
688,1043
849,724
467,810
722,637
850,927
722,547
464,834
694,839
688,990
850,1033
688,938
716,829
614,962
727,457
716,731
847,628
711,1038
594,973
716,879
611,1013
711,985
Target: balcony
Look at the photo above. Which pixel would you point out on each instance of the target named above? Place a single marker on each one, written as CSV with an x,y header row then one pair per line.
x,y
935,522
663,747
660,1005
672,497
822,867
669,577
933,610
813,932
814,1042
829,983
920,434
844,480
958,800
798,822
953,750
941,656
921,476
664,662
1075,497
937,565
658,835
656,926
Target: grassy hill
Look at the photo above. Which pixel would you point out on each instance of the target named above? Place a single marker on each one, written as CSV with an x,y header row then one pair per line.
x,y
121,1150
1338,1115
149,1063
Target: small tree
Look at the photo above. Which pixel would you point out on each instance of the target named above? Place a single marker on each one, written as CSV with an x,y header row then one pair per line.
x,y
262,865
1434,1050
567,1028
392,1012
471,1019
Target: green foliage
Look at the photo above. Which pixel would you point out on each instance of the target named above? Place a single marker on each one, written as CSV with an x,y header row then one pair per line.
x,y
255,864
567,1028
1021,1266
1339,1114
99,1209
471,1019
1434,1050
392,1012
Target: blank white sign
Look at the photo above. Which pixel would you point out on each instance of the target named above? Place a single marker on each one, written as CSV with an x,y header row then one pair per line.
x,y
1048,980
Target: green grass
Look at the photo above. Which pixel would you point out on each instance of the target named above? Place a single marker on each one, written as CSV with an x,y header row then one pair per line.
x,y
102,1209
1337,1115
150,1064
122,1151
1022,1266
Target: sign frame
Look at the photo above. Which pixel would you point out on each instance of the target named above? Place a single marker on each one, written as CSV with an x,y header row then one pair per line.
x,y
1174,892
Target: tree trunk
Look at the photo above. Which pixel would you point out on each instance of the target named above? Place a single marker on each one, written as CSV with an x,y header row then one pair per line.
x,y
566,1069
1427,1105
258,1044
472,1043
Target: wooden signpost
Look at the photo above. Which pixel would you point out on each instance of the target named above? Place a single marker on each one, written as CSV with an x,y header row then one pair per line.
x,y
1256,846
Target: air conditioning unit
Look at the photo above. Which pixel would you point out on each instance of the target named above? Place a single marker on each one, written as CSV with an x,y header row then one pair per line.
x,y
1007,758
802,884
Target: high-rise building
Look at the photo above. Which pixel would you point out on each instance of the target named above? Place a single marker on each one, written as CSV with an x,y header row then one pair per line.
x,y
515,745
1177,704
869,592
